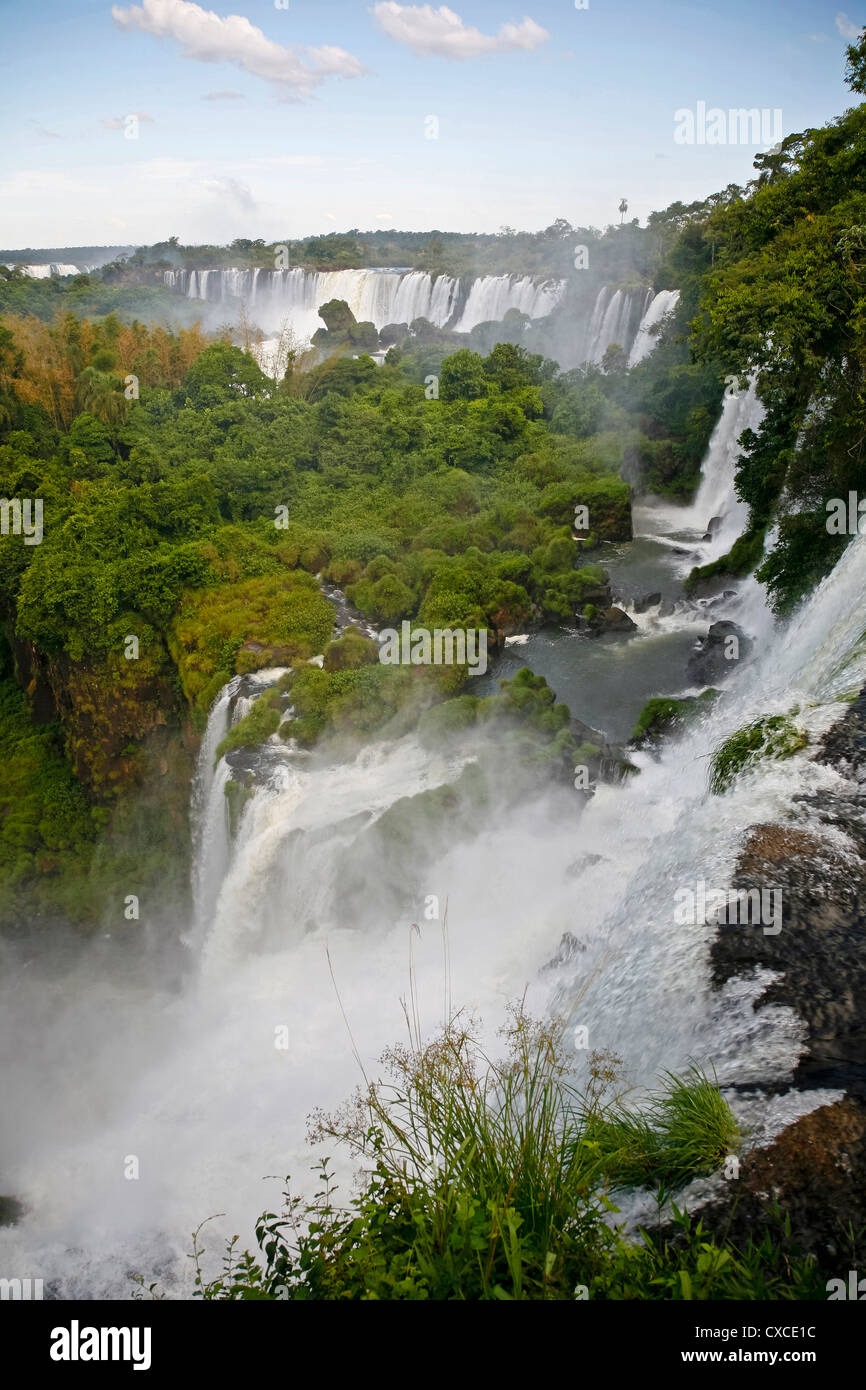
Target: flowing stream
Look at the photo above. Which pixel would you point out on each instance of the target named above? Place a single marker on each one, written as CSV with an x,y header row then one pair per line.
x,y
169,1058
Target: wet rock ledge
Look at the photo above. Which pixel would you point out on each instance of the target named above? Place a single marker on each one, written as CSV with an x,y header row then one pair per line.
x,y
816,1168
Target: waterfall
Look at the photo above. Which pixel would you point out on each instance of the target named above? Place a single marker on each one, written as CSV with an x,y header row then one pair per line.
x,y
659,308
209,813
212,848
615,319
492,296
716,496
44,272
716,500
275,298
188,1077
374,296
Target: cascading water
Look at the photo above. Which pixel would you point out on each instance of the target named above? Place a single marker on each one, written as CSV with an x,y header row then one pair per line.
x,y
208,810
491,297
187,1078
44,272
615,319
380,297
716,512
659,308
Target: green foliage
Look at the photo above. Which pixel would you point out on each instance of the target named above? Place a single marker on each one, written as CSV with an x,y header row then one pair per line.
x,y
687,1264
255,727
740,560
685,1131
786,299
775,736
348,702
221,374
484,1179
237,795
351,650
660,715
803,554
240,628
46,827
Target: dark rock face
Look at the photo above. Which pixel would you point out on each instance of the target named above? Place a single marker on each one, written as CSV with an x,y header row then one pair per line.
x,y
816,1167
713,659
816,1171
615,620
648,601
568,949
712,527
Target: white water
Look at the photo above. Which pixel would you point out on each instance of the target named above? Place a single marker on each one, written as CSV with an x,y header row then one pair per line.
x,y
716,498
615,319
44,272
275,297
280,299
659,308
491,297
209,811
113,1058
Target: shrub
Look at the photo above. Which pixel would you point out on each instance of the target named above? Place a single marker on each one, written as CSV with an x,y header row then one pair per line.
x,y
255,727
484,1179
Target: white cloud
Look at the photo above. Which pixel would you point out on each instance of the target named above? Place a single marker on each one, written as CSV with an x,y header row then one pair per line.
x,y
847,28
48,134
207,38
224,96
442,32
233,192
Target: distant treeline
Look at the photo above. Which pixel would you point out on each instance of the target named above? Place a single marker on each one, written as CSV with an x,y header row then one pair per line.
x,y
67,255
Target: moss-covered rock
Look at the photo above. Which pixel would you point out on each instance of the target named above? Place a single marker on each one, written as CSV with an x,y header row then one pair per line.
x,y
663,715
237,795
256,726
774,736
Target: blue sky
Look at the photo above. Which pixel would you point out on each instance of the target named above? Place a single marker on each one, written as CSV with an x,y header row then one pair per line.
x,y
315,117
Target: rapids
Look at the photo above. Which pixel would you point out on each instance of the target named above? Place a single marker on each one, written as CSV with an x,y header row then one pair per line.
x,y
166,1051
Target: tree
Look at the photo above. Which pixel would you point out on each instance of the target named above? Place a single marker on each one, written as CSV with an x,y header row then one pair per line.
x,y
222,373
855,70
462,377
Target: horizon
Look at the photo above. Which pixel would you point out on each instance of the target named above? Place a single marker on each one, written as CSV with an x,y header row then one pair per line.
x,y
127,123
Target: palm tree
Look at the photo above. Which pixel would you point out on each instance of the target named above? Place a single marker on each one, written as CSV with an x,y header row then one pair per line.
x,y
101,394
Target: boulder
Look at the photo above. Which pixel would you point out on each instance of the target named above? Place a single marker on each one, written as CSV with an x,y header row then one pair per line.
x,y
717,654
615,620
648,601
